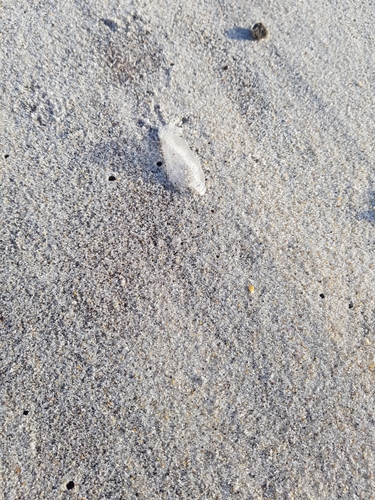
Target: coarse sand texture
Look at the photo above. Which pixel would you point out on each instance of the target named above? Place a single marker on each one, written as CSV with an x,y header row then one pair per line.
x,y
187,311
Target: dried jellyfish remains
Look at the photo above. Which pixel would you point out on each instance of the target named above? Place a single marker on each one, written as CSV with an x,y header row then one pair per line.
x,y
181,164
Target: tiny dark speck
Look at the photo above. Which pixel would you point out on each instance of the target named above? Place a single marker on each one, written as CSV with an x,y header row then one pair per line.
x,y
322,295
159,163
351,305
259,31
70,485
110,24
111,178
225,67
26,412
6,156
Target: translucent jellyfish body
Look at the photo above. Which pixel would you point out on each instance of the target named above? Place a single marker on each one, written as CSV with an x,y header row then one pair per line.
x,y
181,164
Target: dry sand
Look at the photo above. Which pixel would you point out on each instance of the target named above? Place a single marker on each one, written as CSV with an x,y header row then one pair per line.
x,y
135,361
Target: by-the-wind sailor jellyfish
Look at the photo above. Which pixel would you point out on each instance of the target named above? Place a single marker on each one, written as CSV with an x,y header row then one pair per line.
x,y
181,164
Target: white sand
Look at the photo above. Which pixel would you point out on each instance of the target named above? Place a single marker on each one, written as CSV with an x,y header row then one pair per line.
x,y
128,334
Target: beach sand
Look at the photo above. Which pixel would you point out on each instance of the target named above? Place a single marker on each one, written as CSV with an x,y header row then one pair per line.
x,y
161,344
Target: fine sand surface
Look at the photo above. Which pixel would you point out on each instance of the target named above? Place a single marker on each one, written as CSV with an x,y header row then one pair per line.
x,y
135,360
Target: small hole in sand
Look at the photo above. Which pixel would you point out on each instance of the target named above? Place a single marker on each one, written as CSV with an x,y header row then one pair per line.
x,y
70,485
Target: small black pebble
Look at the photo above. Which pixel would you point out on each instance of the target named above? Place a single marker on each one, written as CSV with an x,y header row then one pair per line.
x,y
322,295
351,305
6,156
159,163
70,485
26,412
225,68
112,178
259,31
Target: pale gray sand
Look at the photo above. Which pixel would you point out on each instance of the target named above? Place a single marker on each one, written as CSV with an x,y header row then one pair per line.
x,y
135,363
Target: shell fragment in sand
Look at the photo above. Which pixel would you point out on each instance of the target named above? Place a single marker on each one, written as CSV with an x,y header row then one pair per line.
x,y
181,164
